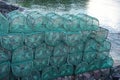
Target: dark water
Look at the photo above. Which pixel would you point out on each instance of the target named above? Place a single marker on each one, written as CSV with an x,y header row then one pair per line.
x,y
107,11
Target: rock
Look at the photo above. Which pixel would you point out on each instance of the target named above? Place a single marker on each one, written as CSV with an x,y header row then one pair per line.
x,y
115,72
6,8
97,74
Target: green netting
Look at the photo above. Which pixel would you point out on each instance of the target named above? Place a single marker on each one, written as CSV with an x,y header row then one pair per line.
x,y
53,38
4,69
42,63
91,45
76,49
10,77
75,58
35,75
87,22
13,13
54,22
105,46
33,40
50,73
23,68
102,55
22,54
89,56
6,78
86,35
12,41
107,62
44,47
71,23
4,24
61,50
81,68
94,65
58,61
4,55
72,38
36,21
43,51
18,23
100,35
66,70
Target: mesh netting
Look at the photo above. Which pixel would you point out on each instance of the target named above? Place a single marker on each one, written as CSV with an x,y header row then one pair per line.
x,y
36,46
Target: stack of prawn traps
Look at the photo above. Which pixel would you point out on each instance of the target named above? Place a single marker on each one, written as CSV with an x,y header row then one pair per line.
x,y
34,46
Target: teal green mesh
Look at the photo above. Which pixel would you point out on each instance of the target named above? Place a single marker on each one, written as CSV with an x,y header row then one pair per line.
x,y
53,38
91,45
4,24
4,69
58,60
23,68
22,54
12,41
86,35
107,62
18,23
13,13
35,75
4,55
76,49
61,50
102,55
34,40
100,35
36,21
71,23
89,56
43,47
87,22
41,63
54,22
43,51
94,65
75,58
50,73
72,38
66,70
81,68
105,46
